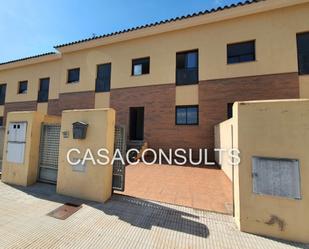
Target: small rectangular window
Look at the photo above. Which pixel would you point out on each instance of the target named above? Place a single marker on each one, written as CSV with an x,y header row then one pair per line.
x,y
44,90
103,79
140,66
187,68
73,75
303,53
1,121
2,93
23,87
241,52
187,115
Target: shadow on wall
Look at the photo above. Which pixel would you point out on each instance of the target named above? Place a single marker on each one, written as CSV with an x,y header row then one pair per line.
x,y
137,212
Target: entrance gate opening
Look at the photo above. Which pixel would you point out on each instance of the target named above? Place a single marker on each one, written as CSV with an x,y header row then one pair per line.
x,y
49,151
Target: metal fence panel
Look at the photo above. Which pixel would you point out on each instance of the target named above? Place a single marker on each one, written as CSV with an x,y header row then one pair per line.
x,y
118,166
49,152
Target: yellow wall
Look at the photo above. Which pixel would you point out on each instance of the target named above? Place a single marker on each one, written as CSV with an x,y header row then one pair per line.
x,y
272,129
102,100
95,183
187,95
32,73
224,141
26,173
211,41
50,119
42,108
267,29
304,86
274,32
1,110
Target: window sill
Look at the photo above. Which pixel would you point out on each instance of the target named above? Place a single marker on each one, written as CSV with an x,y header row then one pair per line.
x,y
303,74
102,91
139,75
243,62
73,82
186,84
187,124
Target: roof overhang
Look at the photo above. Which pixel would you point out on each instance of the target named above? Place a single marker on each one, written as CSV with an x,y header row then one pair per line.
x,y
30,61
226,14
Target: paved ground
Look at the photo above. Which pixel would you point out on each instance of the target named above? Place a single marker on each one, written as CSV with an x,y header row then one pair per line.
x,y
122,222
200,188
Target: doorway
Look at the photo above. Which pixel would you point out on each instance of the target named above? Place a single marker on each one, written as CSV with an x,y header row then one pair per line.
x,y
136,123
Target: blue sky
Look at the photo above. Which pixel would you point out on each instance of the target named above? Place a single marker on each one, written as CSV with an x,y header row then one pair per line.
x,y
30,27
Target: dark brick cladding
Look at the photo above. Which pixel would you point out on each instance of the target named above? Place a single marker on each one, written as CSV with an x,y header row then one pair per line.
x,y
69,101
160,130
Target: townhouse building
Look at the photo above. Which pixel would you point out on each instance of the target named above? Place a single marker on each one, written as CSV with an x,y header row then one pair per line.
x,y
171,82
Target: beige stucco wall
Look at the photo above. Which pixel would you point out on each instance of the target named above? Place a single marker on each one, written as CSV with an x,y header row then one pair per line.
x,y
211,40
304,86
224,141
95,183
187,95
50,119
42,108
24,174
32,73
277,129
267,28
1,110
102,100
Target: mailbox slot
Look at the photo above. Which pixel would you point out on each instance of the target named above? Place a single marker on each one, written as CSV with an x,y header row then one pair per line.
x,y
79,130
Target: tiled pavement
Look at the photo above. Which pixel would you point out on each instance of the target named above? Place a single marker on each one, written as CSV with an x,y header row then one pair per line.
x,y
122,222
200,188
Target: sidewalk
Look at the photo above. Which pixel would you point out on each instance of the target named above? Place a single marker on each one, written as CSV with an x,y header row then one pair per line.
x,y
122,222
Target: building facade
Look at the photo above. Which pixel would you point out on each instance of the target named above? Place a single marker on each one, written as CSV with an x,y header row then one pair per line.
x,y
172,82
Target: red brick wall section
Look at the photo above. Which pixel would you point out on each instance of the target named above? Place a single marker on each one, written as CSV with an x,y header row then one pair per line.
x,y
19,106
159,112
160,130
215,94
70,101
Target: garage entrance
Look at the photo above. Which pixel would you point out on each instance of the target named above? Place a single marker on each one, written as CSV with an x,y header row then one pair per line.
x,y
49,151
